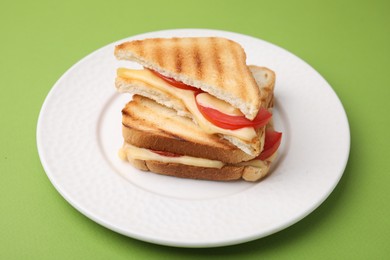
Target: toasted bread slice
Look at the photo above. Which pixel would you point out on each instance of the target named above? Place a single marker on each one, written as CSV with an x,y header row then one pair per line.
x,y
265,79
215,65
194,167
150,125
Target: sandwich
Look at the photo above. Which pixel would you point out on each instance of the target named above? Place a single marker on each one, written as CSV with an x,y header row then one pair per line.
x,y
198,111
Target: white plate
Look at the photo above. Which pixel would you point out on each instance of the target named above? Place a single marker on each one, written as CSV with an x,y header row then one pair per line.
x,y
79,134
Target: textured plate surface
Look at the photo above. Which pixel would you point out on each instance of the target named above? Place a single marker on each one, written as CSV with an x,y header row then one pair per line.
x,y
79,134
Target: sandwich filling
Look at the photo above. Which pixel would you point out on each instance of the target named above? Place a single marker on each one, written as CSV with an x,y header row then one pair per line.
x,y
196,102
149,155
128,152
271,144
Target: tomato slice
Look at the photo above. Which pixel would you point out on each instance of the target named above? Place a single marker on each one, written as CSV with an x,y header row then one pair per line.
x,y
272,143
174,82
163,153
234,122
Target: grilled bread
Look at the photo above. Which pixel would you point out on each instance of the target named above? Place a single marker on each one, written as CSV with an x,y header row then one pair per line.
x,y
215,65
246,139
147,124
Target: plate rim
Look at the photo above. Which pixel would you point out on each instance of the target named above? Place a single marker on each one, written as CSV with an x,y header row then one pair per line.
x,y
163,241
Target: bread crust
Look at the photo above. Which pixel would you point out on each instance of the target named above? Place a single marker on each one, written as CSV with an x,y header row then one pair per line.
x,y
226,173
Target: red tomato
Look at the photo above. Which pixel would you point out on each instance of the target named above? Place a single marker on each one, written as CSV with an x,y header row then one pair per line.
x,y
234,122
175,83
168,154
272,143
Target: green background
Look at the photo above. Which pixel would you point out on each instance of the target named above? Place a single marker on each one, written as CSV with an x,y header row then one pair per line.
x,y
348,42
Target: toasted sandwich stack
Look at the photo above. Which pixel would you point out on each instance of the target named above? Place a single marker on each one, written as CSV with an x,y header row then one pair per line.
x,y
197,110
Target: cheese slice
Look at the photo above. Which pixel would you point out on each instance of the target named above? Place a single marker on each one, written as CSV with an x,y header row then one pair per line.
x,y
207,100
128,152
262,166
147,155
188,98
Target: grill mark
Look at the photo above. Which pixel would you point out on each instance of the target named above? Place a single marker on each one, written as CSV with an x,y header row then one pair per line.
x,y
236,57
157,52
128,116
176,137
178,55
198,60
139,47
127,126
217,60
125,113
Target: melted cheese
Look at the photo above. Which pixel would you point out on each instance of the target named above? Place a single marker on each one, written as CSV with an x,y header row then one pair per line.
x,y
188,98
134,152
259,163
207,100
130,152
262,168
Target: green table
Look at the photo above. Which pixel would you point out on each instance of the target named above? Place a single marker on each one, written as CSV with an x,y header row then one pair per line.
x,y
346,41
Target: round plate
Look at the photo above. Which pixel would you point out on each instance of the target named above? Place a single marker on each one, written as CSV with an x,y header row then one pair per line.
x,y
79,135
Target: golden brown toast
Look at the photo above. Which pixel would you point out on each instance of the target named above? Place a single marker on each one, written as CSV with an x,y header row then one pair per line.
x,y
148,124
215,65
